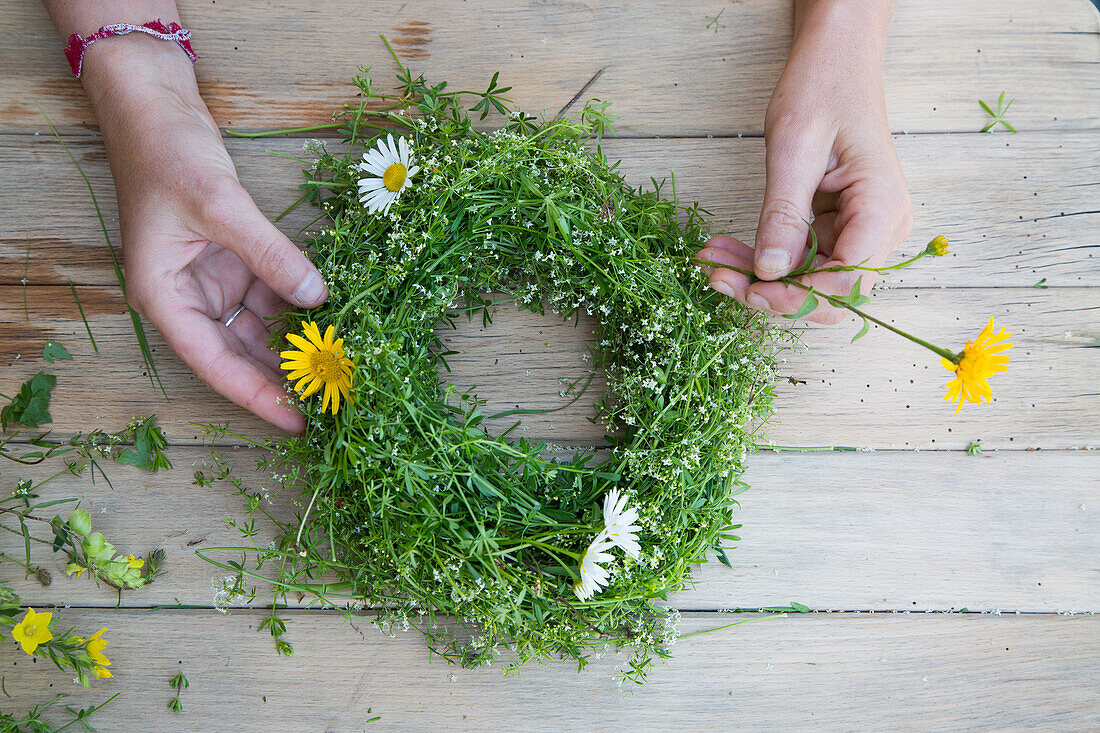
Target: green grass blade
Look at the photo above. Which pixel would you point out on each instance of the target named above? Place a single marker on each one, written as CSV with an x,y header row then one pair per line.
x,y
83,317
139,330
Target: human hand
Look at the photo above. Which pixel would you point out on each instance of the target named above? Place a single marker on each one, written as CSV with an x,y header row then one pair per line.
x,y
829,158
195,245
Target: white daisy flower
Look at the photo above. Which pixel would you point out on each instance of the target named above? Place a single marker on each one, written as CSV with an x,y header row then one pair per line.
x,y
391,169
594,575
619,523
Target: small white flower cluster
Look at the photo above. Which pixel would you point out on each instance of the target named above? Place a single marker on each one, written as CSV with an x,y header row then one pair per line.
x,y
227,592
619,530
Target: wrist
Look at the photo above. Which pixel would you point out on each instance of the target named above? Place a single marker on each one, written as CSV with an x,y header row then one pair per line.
x,y
134,80
855,28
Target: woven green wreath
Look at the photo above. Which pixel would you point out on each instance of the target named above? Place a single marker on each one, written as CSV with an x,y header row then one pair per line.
x,y
409,500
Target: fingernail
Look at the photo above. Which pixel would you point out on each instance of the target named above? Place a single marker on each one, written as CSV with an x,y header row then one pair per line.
x,y
311,291
773,260
757,301
721,287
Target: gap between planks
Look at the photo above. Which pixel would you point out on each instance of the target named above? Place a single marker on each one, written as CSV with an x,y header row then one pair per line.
x,y
849,672
1002,200
1008,531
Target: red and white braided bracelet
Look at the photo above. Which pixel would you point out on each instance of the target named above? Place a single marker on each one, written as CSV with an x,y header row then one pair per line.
x,y
74,52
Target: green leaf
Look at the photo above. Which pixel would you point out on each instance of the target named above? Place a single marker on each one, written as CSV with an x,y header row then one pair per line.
x,y
986,108
149,444
856,298
54,350
30,407
1041,284
809,261
863,331
808,306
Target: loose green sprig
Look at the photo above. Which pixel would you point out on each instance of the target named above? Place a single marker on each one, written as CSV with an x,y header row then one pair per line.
x,y
33,722
412,499
712,21
177,683
999,115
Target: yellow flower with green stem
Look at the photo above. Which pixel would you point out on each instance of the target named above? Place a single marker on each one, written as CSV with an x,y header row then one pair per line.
x,y
319,363
94,647
979,360
33,630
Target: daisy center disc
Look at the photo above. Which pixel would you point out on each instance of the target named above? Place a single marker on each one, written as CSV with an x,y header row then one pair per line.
x,y
394,177
325,364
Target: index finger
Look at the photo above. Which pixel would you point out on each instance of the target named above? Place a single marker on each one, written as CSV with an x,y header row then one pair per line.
x,y
201,345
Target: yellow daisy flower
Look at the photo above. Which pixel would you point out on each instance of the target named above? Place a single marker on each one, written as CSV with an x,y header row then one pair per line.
x,y
33,630
319,363
981,359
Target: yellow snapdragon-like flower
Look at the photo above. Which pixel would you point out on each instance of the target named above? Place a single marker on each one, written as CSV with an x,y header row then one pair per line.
x,y
33,630
319,362
981,359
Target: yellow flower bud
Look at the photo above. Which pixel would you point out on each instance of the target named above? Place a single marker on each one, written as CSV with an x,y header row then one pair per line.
x,y
938,247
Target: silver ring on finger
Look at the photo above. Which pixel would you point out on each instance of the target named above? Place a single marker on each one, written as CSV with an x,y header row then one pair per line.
x,y
229,321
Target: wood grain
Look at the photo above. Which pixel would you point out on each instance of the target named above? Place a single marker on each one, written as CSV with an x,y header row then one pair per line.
x,y
885,531
1016,208
880,392
274,66
825,672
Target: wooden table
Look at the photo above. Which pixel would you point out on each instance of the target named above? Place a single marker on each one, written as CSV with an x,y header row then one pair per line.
x,y
886,545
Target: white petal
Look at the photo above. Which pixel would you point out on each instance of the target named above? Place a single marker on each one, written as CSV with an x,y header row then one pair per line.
x,y
370,184
382,195
375,169
411,172
403,150
374,158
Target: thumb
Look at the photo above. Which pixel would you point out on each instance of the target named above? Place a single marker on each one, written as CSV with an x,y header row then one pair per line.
x,y
274,259
794,171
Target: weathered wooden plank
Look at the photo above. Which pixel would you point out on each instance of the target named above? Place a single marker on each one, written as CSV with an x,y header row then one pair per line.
x,y
290,65
1016,208
937,672
880,392
1010,531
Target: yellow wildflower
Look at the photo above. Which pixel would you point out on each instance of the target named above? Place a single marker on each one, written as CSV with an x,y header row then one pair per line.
x,y
94,647
938,247
135,562
103,674
319,363
33,630
981,359
74,568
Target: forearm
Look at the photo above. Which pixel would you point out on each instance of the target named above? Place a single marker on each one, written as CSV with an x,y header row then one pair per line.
x,y
126,76
854,26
